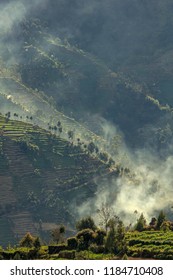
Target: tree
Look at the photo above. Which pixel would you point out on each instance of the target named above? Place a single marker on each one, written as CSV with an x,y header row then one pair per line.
x,y
115,241
141,223
99,236
84,223
91,147
121,245
161,218
27,240
17,256
70,134
110,240
58,234
165,226
60,129
59,124
37,243
105,214
153,222
62,229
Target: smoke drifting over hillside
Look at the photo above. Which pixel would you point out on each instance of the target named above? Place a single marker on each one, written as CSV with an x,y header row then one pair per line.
x,y
116,31
145,184
91,39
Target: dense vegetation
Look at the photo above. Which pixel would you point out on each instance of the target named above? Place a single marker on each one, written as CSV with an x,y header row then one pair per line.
x,y
93,242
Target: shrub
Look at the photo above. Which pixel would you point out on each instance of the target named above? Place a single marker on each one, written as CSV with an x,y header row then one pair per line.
x,y
72,243
97,249
133,242
27,241
135,255
17,256
33,254
99,236
125,257
58,234
67,254
85,238
146,253
55,249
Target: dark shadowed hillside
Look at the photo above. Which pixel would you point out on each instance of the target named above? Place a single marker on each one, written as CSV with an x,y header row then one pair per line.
x,y
42,178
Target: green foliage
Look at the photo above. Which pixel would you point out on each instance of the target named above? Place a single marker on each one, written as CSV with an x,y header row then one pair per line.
x,y
27,241
58,234
85,238
37,243
121,245
150,244
97,249
72,243
70,255
54,249
91,147
141,223
99,236
125,257
62,229
161,218
17,256
110,243
165,226
85,223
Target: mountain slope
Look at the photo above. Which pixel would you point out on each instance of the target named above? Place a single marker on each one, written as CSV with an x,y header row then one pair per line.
x,y
42,178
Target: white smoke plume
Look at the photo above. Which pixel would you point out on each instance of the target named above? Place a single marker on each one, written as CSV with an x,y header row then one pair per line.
x,y
146,189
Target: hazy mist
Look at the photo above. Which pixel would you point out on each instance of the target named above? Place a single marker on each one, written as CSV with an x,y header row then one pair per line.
x,y
100,52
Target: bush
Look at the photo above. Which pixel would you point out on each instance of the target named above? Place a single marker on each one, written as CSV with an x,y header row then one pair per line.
x,y
97,249
85,238
17,256
72,243
99,236
55,249
70,255
135,255
125,257
133,242
147,253
33,254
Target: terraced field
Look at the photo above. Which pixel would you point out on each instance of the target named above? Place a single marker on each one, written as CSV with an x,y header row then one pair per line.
x,y
43,179
150,244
